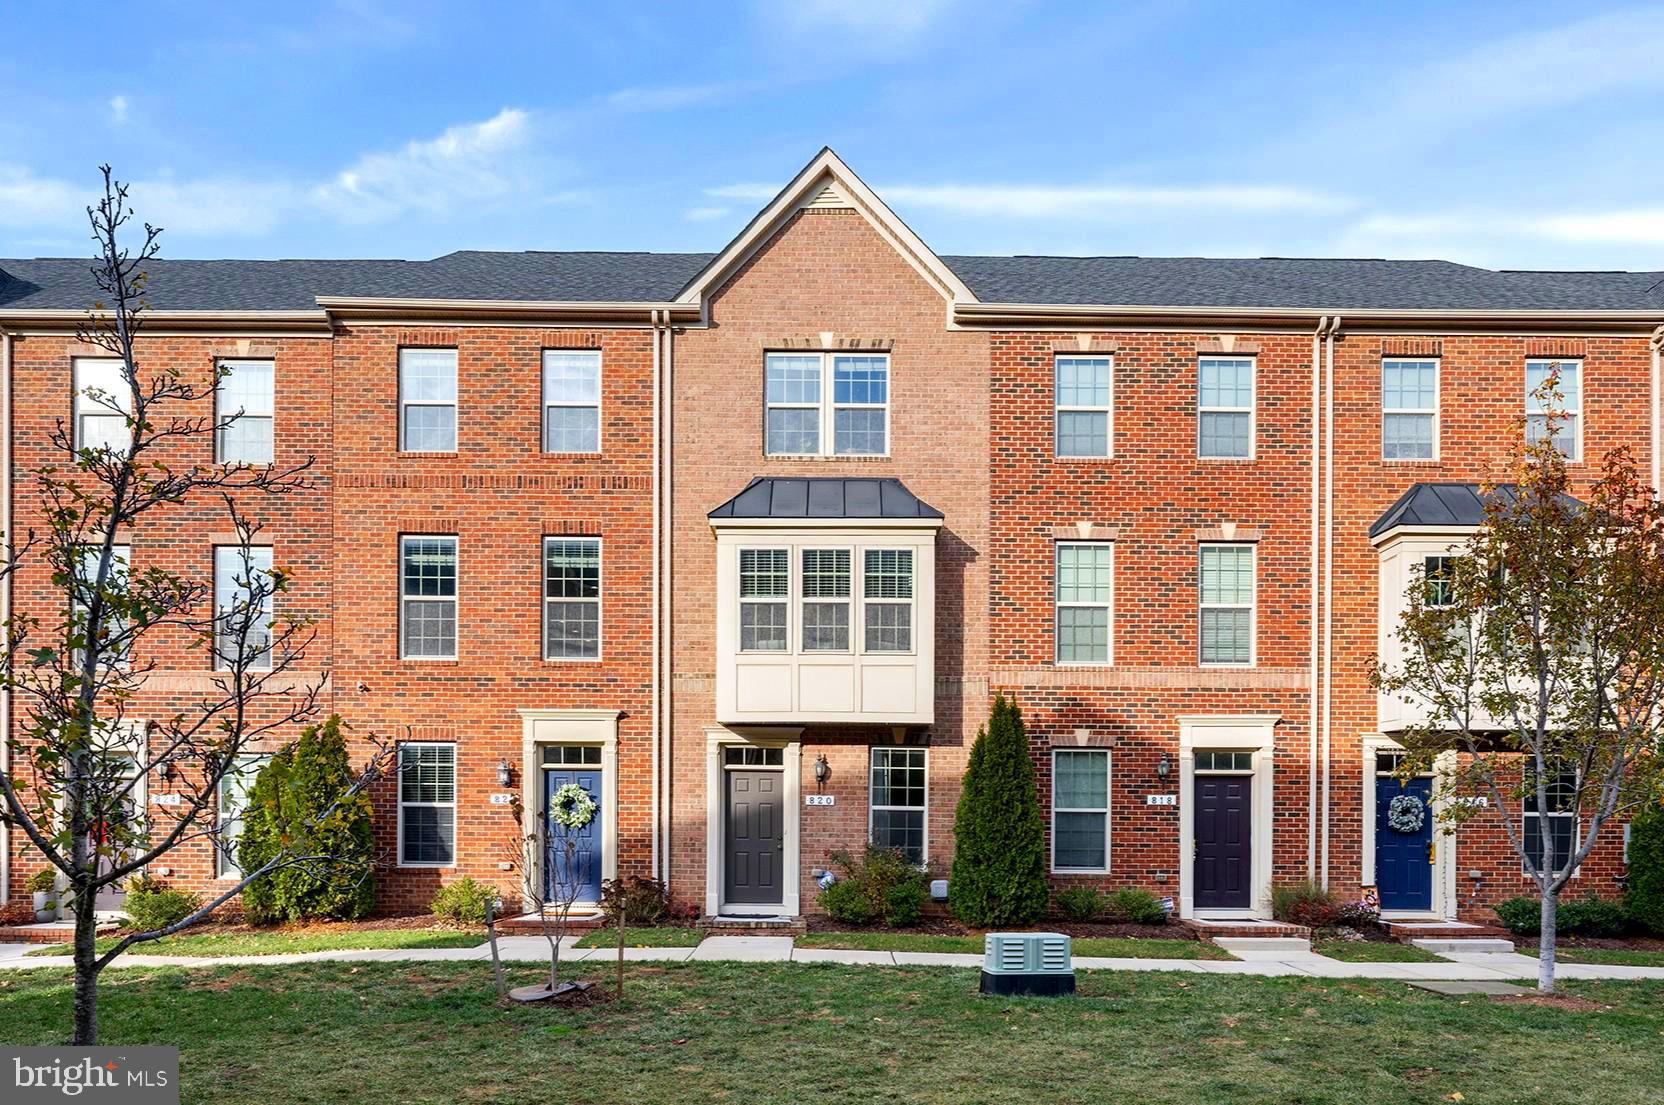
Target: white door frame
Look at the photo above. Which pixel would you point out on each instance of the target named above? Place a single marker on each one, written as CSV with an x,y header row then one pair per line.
x,y
1256,733
1444,843
541,727
717,739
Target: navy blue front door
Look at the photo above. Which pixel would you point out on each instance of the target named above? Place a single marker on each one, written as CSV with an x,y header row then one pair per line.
x,y
586,856
1403,870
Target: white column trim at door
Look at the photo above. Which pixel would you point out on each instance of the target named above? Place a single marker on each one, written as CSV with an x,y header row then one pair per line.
x,y
540,727
718,738
1256,733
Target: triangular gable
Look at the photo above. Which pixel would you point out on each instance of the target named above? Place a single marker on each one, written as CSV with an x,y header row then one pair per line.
x,y
826,182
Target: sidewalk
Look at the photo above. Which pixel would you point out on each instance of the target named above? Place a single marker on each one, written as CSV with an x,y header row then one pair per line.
x,y
1456,966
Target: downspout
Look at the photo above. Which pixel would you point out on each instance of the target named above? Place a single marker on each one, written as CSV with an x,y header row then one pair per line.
x,y
1328,577
655,720
668,602
6,593
1656,341
1312,695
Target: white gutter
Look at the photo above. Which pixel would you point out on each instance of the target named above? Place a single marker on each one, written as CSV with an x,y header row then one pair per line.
x,y
1312,695
667,581
1328,576
5,594
1656,341
655,718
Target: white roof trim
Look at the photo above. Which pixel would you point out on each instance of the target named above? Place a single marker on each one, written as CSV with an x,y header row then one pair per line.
x,y
806,190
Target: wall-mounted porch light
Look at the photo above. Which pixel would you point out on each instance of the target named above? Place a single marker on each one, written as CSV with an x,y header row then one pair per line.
x,y
505,774
1164,767
822,771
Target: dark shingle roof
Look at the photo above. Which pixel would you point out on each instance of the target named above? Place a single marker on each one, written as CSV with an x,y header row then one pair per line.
x,y
1443,504
1271,282
825,497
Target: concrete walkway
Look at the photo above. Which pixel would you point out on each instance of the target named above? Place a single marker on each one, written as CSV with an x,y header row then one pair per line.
x,y
1455,966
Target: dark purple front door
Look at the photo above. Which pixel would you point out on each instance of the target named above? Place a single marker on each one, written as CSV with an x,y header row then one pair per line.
x,y
1224,842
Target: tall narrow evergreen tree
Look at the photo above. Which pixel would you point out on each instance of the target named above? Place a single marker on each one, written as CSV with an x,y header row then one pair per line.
x,y
999,859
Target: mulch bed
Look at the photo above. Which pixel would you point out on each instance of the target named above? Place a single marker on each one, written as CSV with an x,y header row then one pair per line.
x,y
1552,1001
944,926
236,926
1624,943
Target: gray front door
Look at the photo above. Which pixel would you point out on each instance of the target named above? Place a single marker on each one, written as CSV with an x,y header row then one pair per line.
x,y
756,838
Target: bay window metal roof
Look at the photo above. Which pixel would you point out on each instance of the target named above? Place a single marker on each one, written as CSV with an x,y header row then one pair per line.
x,y
1442,505
826,498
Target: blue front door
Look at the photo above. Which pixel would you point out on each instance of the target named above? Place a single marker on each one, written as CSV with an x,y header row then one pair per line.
x,y
1403,863
582,864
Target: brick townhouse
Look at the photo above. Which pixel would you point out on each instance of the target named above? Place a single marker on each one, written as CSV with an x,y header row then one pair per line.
x,y
744,543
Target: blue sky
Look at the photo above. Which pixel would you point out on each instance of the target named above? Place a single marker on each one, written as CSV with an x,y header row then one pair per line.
x,y
1519,135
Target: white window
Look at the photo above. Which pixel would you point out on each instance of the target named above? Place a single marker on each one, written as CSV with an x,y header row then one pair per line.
x,y
1080,809
235,786
1227,604
887,591
571,401
825,590
1085,602
234,581
427,805
897,801
571,598
1409,409
1568,405
1438,588
1560,820
113,624
103,402
427,598
765,589
427,400
803,416
1225,408
1084,387
244,404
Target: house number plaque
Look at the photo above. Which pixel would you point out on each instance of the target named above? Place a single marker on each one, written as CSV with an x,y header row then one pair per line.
x,y
1161,799
820,799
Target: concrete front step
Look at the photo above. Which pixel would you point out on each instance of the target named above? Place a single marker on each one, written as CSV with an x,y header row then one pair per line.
x,y
46,932
1212,930
1407,931
753,926
1265,945
1470,945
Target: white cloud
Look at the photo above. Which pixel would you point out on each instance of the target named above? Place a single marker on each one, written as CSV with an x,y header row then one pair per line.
x,y
892,18
1493,234
29,200
705,214
751,193
1089,201
118,110
667,97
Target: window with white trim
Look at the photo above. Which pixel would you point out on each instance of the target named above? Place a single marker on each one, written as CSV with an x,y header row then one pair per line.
x,y
244,404
1080,809
571,401
887,593
84,586
1226,596
1085,601
427,805
427,598
1568,405
571,598
1559,820
1225,408
1409,409
825,591
427,400
103,403
1083,393
765,591
1438,586
234,789
235,579
897,801
803,416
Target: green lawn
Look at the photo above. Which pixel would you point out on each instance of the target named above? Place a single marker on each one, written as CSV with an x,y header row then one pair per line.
x,y
281,942
1373,951
666,937
1621,957
434,1032
1106,946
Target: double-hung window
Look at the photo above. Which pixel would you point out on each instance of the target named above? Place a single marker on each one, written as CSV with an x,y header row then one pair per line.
x,y
1080,809
571,598
427,805
1085,418
571,401
1558,821
825,591
112,624
1409,409
427,400
897,801
826,404
1567,405
1225,408
765,590
103,402
1438,588
235,786
242,628
244,403
887,593
427,598
1227,604
1085,599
